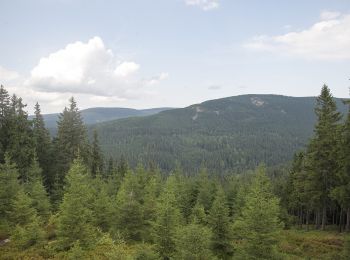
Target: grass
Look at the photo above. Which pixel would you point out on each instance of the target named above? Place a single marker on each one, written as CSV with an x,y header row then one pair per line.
x,y
300,244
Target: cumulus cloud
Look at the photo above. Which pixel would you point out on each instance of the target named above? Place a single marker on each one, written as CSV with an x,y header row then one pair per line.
x,y
328,39
157,79
126,68
86,68
205,5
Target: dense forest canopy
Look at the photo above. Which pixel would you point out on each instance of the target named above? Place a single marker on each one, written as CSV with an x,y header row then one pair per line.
x,y
62,199
226,135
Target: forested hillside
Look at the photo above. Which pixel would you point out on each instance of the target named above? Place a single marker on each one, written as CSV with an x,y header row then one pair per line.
x,y
60,200
102,114
224,135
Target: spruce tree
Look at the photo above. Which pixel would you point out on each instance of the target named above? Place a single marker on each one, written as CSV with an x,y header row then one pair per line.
x,y
75,216
43,147
20,146
96,156
70,142
322,150
193,242
4,122
258,226
9,187
129,220
167,221
220,225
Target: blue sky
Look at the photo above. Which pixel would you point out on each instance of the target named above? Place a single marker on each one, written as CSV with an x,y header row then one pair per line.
x,y
151,53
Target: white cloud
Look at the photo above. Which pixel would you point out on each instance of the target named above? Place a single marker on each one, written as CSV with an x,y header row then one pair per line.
x,y
329,15
157,79
328,39
86,68
126,68
205,5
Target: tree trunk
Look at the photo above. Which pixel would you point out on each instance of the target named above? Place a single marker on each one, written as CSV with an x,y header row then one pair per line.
x,y
318,217
347,227
307,219
341,220
324,217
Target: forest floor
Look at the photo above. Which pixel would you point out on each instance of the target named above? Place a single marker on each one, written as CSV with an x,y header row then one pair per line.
x,y
313,244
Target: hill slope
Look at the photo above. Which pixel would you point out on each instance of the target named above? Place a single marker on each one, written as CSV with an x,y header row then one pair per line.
x,y
226,134
102,114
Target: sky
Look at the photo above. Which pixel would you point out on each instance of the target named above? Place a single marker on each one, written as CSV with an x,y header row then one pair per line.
x,y
171,53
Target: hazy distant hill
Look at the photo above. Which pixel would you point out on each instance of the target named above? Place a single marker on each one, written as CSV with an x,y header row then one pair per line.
x,y
102,114
231,133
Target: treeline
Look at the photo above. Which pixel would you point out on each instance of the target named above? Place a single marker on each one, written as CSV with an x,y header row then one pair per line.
x,y
318,189
59,200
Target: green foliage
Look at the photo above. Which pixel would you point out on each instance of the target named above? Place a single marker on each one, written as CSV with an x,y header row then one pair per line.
x,y
259,226
75,216
193,242
219,222
167,221
227,135
28,230
9,187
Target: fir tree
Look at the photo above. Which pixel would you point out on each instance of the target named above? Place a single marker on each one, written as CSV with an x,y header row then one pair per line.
x,y
167,221
96,156
193,242
43,147
322,150
219,222
75,216
258,226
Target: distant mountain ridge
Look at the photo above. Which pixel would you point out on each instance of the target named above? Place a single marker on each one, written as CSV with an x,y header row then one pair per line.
x,y
228,134
102,114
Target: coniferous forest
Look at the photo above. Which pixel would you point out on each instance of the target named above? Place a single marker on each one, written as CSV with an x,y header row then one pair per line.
x,y
61,198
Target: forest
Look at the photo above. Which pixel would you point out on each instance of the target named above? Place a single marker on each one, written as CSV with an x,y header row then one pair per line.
x,y
62,198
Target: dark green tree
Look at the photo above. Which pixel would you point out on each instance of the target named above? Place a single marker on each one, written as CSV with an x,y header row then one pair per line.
x,y
259,225
220,225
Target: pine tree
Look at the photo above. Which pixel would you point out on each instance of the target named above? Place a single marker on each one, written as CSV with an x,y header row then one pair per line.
x,y
167,221
322,149
258,226
219,222
75,216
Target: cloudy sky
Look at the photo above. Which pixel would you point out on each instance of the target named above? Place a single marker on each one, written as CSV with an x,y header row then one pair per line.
x,y
152,53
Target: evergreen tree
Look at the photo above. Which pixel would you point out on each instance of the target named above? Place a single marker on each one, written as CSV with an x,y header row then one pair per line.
x,y
193,242
4,122
9,187
43,147
219,222
75,216
96,156
28,231
129,220
167,221
341,191
20,146
322,150
71,140
258,226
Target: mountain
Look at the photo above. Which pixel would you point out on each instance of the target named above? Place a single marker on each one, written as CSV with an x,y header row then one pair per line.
x,y
228,134
102,114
